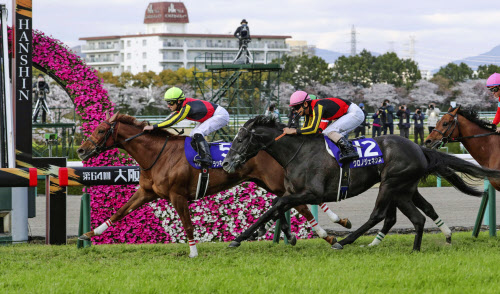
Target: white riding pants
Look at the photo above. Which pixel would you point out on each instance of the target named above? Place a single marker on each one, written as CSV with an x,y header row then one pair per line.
x,y
348,122
219,120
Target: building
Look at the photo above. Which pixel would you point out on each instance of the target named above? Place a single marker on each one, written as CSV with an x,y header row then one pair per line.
x,y
298,48
165,44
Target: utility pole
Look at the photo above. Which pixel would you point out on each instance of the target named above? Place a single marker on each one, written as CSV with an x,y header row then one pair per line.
x,y
353,41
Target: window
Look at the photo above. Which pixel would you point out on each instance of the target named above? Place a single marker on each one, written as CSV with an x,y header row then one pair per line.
x,y
129,55
144,68
209,43
144,42
197,43
176,55
129,43
144,55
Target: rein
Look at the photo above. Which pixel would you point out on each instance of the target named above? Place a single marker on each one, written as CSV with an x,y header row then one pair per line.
x,y
448,138
151,166
296,152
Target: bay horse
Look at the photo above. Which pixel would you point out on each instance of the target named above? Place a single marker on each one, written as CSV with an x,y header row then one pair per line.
x,y
312,175
171,177
477,136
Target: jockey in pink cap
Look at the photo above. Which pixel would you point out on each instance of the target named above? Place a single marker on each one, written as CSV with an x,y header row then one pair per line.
x,y
346,114
493,84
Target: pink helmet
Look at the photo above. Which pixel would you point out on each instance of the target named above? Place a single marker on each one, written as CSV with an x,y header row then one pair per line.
x,y
299,97
493,80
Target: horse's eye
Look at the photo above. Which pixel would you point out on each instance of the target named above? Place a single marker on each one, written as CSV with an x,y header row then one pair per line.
x,y
445,124
101,132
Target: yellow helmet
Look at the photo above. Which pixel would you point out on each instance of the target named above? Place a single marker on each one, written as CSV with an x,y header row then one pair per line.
x,y
174,93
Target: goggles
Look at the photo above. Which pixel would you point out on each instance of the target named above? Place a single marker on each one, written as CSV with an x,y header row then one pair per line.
x,y
494,89
172,102
297,107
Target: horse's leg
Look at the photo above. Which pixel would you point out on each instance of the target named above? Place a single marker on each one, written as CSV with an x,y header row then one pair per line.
x,y
427,208
285,228
345,222
181,205
386,189
389,222
304,210
139,198
409,209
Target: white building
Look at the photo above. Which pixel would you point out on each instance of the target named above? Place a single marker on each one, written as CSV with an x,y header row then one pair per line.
x,y
166,45
298,48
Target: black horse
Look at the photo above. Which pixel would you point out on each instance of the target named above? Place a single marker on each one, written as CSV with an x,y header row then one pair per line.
x,y
312,175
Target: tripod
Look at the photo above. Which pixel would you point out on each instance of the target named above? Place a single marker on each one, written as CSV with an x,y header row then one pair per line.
x,y
41,104
245,52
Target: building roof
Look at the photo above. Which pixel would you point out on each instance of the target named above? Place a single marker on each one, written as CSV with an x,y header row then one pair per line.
x,y
166,12
180,35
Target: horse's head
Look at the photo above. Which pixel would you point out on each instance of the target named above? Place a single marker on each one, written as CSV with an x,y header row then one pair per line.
x,y
102,138
446,129
255,135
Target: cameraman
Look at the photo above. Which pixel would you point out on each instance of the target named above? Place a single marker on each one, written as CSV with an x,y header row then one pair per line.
x,y
377,127
432,114
388,117
404,121
41,89
361,127
243,35
418,120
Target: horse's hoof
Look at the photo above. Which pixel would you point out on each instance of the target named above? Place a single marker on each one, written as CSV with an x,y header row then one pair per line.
x,y
293,240
448,240
330,239
234,244
337,246
84,238
346,223
261,232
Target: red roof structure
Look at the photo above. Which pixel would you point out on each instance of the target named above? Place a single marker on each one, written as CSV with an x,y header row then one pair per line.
x,y
166,12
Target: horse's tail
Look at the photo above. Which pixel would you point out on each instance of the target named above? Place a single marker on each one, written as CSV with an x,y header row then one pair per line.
x,y
447,166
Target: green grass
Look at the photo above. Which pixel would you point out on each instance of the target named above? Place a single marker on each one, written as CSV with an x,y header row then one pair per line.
x,y
469,265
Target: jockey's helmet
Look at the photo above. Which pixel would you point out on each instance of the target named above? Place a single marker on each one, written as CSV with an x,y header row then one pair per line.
x,y
174,93
493,80
299,97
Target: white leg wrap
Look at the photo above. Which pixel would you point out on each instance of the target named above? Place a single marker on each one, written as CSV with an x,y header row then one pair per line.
x,y
443,227
319,230
193,251
380,236
268,225
331,215
100,229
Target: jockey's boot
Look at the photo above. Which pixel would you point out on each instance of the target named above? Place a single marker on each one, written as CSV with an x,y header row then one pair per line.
x,y
203,150
347,152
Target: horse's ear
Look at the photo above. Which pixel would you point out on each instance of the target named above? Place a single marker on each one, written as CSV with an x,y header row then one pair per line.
x,y
450,108
113,118
107,114
454,112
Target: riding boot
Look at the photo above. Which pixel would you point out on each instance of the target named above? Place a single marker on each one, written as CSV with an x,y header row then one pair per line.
x,y
347,152
203,150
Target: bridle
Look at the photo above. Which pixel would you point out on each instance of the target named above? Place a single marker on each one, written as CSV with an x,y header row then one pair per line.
x,y
455,124
112,132
445,139
102,144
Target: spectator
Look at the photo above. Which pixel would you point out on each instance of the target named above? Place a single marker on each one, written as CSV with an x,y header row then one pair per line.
x,y
418,120
404,121
388,117
273,111
361,128
432,114
377,128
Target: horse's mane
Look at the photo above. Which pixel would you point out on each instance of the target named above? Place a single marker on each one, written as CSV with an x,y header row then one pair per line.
x,y
130,120
265,121
473,116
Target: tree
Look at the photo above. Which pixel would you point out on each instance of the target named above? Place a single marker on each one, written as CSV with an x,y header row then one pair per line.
x,y
456,73
474,93
485,71
444,85
424,93
376,94
302,71
356,69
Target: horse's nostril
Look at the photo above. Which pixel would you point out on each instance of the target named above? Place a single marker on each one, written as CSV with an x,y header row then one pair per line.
x,y
80,151
427,141
225,164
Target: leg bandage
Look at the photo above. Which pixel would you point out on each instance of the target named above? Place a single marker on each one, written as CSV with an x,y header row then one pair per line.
x,y
331,215
380,236
100,229
443,227
319,230
193,251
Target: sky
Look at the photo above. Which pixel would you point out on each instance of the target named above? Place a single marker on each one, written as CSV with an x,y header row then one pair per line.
x,y
443,30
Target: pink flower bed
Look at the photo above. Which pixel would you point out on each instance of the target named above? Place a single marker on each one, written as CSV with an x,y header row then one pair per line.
x,y
218,217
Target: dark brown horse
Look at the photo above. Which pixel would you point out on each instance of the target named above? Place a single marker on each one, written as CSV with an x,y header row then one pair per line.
x,y
477,136
173,178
